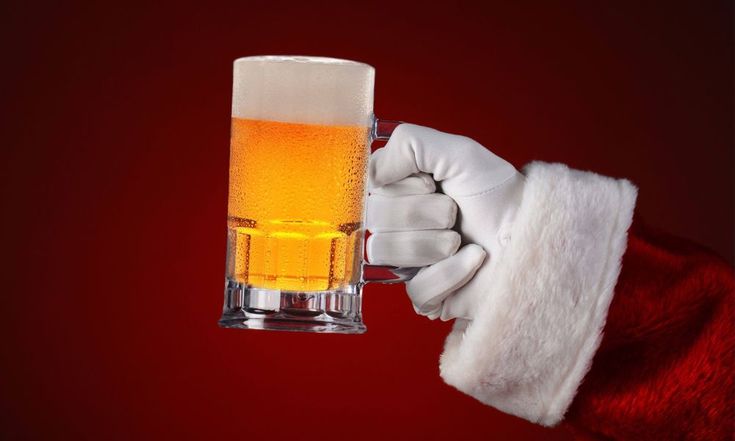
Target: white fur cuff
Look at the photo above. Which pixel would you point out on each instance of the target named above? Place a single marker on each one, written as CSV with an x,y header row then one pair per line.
x,y
534,335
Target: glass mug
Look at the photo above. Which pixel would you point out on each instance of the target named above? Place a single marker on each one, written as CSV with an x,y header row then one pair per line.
x,y
300,142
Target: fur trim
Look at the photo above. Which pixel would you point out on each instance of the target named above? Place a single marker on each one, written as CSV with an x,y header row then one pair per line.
x,y
533,338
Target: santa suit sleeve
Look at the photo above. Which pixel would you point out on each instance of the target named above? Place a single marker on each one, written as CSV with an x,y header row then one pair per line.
x,y
535,348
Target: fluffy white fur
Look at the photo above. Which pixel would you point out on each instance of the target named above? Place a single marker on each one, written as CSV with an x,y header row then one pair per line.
x,y
534,335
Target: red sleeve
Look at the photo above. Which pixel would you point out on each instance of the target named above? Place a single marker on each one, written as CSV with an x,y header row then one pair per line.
x,y
664,369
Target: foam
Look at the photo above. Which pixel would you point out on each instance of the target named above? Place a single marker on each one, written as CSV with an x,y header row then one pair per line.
x,y
314,90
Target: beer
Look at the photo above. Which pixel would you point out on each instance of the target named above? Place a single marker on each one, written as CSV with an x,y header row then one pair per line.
x,y
301,128
296,204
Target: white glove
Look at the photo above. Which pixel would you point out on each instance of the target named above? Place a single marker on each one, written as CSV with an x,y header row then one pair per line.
x,y
411,223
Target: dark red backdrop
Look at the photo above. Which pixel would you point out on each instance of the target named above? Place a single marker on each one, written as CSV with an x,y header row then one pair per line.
x,y
114,180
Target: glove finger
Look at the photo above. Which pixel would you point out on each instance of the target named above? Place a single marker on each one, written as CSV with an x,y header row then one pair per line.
x,y
465,166
433,284
457,306
412,248
420,212
417,183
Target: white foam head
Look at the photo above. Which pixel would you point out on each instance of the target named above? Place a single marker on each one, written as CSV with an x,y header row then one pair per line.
x,y
313,90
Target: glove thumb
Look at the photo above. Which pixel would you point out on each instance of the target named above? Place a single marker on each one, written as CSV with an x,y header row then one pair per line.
x,y
462,165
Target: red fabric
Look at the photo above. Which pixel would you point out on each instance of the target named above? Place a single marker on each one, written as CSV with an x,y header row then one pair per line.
x,y
664,369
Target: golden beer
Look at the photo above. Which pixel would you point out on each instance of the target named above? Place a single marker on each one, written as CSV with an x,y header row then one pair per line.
x,y
296,204
301,130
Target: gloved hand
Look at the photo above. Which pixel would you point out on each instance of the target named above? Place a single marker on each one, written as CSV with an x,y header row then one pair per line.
x,y
445,203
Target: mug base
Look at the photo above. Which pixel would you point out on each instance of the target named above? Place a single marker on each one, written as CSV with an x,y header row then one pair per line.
x,y
333,311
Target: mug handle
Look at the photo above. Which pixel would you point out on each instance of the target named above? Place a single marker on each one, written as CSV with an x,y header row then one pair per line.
x,y
381,131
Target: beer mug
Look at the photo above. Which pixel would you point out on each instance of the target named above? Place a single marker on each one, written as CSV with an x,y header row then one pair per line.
x,y
300,142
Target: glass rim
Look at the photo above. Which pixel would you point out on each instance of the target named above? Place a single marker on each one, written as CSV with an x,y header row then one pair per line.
x,y
306,59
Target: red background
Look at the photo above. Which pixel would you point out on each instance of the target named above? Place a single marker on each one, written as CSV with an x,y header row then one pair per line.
x,y
114,181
